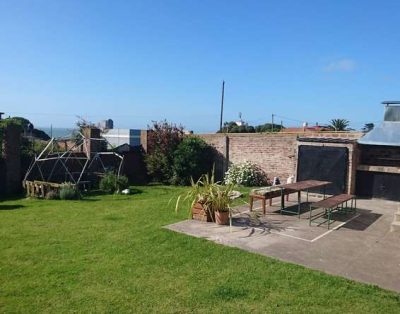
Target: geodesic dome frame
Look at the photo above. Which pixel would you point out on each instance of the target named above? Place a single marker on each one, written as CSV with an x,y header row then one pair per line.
x,y
76,164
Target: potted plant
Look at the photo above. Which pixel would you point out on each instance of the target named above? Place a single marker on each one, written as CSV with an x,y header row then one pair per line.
x,y
210,201
221,202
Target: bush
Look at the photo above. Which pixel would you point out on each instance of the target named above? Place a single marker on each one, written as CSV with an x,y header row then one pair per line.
x,y
52,195
69,192
112,183
192,159
245,173
163,140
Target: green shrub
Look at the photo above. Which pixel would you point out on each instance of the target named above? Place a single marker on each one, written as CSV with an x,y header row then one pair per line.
x,y
245,173
163,139
192,158
112,183
69,192
52,195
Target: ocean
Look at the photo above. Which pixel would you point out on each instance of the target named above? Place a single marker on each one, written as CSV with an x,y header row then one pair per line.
x,y
57,132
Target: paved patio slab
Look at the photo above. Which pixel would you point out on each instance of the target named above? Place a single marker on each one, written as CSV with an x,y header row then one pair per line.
x,y
358,246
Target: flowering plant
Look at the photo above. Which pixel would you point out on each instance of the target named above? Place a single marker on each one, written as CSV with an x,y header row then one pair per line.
x,y
247,174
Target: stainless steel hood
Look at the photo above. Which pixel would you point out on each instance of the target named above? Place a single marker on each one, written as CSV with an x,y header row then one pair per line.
x,y
388,133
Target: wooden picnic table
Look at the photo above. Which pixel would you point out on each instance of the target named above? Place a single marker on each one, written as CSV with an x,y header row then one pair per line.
x,y
298,187
269,193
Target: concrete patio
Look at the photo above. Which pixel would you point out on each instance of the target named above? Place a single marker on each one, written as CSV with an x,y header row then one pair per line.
x,y
358,245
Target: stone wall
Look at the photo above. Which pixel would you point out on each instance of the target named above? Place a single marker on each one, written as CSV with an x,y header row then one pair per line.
x,y
275,153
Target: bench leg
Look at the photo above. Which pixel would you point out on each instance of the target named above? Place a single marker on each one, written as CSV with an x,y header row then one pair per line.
x,y
270,202
251,203
329,217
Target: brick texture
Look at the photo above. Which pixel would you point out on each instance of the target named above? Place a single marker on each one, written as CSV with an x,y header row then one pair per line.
x,y
275,153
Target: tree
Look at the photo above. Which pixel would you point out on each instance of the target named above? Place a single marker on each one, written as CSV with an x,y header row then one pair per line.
x,y
163,140
340,124
232,127
268,127
368,127
28,128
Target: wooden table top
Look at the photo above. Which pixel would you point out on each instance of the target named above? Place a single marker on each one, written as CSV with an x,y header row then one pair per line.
x,y
304,185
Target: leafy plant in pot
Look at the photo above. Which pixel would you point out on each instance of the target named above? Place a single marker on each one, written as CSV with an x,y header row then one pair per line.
x,y
210,200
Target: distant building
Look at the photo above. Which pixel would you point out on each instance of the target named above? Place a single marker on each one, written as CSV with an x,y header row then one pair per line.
x,y
118,137
306,128
1,113
106,124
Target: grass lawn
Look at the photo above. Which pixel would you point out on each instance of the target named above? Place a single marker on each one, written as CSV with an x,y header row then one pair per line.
x,y
110,254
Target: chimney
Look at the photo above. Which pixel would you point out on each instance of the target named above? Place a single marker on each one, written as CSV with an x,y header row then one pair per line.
x,y
93,140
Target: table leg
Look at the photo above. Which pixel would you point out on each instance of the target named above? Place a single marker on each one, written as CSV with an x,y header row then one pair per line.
x,y
282,200
310,215
263,205
251,203
270,202
299,203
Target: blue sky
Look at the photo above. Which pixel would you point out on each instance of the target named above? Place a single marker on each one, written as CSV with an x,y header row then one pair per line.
x,y
137,61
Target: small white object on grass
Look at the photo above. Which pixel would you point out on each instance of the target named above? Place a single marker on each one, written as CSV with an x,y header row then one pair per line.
x,y
234,194
126,191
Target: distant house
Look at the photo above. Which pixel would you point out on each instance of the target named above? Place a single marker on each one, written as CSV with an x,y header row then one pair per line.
x,y
119,137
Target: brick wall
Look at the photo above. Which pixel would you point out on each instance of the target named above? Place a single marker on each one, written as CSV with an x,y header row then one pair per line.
x,y
275,153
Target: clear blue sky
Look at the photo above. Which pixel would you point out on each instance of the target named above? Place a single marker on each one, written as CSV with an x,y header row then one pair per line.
x,y
137,61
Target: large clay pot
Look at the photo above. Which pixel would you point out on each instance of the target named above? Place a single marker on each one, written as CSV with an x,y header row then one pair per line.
x,y
200,213
222,217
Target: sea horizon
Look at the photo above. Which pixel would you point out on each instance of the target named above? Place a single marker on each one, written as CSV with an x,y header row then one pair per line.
x,y
57,131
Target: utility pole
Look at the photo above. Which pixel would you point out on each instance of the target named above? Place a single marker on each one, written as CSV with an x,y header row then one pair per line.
x,y
222,105
272,124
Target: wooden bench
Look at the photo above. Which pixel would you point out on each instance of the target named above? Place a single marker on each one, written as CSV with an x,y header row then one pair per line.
x,y
331,204
269,194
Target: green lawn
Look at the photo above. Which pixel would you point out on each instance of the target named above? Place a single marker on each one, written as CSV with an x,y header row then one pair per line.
x,y
111,254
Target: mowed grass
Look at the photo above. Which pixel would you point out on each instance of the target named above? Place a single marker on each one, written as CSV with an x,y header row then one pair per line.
x,y
111,254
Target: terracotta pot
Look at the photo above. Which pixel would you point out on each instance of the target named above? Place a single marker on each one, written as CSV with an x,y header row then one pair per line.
x,y
222,218
199,213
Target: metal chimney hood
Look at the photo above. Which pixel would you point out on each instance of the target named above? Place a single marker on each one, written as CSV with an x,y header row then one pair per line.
x,y
388,133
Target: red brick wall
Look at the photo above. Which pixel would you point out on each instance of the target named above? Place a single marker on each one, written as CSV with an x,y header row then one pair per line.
x,y
275,153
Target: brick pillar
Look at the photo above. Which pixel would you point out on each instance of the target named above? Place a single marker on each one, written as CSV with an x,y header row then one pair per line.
x,y
12,158
91,139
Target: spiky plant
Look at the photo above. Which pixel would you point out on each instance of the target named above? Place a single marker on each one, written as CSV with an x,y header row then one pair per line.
x,y
340,124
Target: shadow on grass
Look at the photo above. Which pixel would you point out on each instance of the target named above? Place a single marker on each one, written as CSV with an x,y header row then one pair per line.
x,y
13,197
11,207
